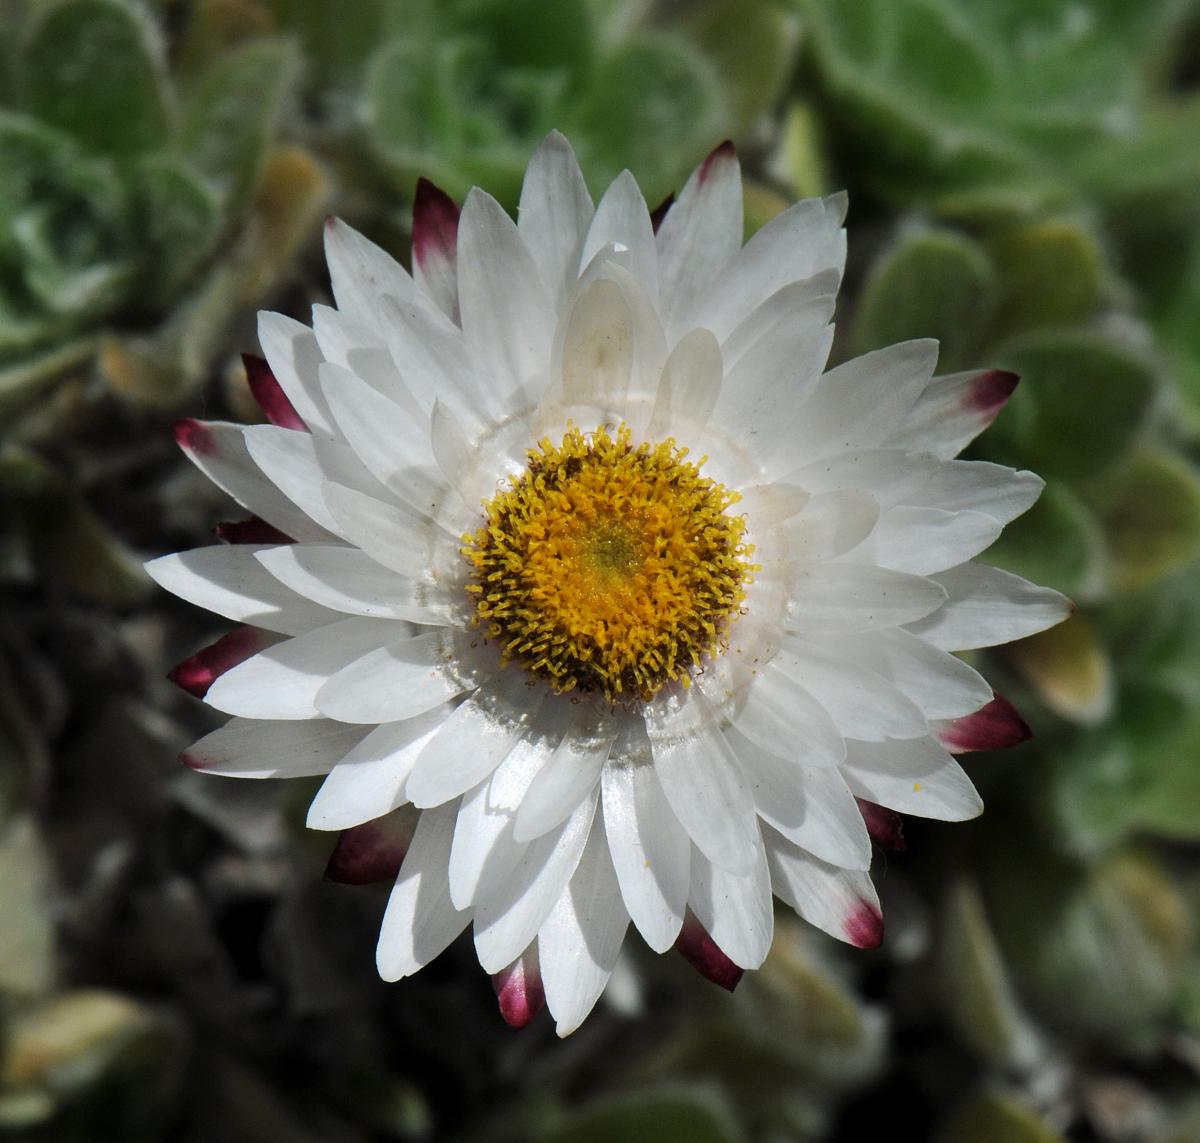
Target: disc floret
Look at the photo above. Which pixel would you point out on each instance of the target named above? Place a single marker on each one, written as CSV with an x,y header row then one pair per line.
x,y
609,567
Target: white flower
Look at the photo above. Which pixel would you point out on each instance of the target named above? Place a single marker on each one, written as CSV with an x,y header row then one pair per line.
x,y
597,567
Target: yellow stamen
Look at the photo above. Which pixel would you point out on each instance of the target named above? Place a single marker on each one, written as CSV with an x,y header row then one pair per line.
x,y
608,567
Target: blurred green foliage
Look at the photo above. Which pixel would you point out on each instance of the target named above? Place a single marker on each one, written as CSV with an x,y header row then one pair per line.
x,y
1022,178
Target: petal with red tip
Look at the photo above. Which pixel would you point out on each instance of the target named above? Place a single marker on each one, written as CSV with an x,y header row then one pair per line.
x,y
864,926
270,395
995,726
435,246
197,674
373,851
886,827
954,410
702,953
519,989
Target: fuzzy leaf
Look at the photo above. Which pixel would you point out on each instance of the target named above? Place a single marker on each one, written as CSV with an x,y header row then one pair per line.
x,y
94,68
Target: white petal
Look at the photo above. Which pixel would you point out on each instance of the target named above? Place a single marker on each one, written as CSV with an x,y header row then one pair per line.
x,y
703,781
737,911
393,535
765,388
508,915
940,684
435,247
506,313
926,540
916,776
431,355
363,273
294,356
253,748
385,436
581,937
623,220
474,740
891,477
650,850
812,807
953,411
597,353
569,776
451,449
777,713
829,525
401,680
369,781
420,921
699,235
689,388
483,841
777,313
861,703
856,405
229,580
362,351
987,606
848,597
348,580
804,240
842,902
283,680
219,451
976,486
554,214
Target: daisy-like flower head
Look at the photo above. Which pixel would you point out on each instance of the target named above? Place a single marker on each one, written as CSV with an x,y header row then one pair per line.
x,y
569,540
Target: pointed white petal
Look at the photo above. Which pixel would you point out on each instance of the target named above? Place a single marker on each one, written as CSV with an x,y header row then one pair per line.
x,y
283,680
922,541
830,524
842,902
474,740
348,580
849,597
737,911
554,214
597,354
953,411
581,937
506,313
401,680
369,781
508,915
435,247
701,232
987,606
812,807
362,273
253,748
702,780
219,451
623,220
861,703
389,533
420,921
689,388
976,486
294,356
568,778
229,580
916,776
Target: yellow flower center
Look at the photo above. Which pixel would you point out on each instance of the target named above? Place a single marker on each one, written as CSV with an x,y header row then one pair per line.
x,y
608,567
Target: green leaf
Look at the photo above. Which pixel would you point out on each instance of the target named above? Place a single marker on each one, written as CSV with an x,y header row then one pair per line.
x,y
996,1118
977,991
1052,273
520,35
1070,669
1149,509
753,43
1058,542
680,1115
231,116
929,283
27,954
94,68
180,217
1081,404
654,105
